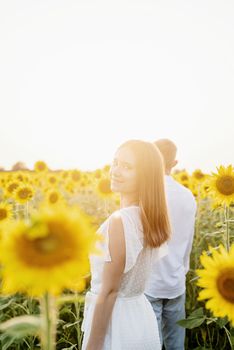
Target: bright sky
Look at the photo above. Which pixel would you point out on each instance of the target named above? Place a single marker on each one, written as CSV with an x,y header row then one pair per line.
x,y
79,77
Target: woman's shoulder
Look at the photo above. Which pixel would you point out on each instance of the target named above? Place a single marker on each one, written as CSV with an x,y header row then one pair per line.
x,y
119,213
131,213
128,215
131,210
131,220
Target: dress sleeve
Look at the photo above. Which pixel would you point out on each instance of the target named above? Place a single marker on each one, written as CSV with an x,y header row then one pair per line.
x,y
133,244
104,245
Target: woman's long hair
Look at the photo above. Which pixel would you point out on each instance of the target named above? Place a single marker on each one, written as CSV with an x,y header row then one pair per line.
x,y
151,189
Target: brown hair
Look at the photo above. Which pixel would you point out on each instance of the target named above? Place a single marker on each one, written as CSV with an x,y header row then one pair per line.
x,y
168,150
152,199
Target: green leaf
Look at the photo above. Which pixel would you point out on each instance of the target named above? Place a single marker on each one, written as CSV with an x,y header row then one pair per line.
x,y
195,319
5,305
20,327
6,342
221,322
197,313
232,340
191,323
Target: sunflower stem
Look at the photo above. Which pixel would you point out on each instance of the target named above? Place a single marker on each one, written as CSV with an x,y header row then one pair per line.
x,y
16,211
226,213
49,322
197,232
26,211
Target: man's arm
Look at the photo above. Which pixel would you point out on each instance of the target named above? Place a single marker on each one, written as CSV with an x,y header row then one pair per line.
x,y
111,279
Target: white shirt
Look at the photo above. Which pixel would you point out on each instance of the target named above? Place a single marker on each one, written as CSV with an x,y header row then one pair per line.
x,y
168,276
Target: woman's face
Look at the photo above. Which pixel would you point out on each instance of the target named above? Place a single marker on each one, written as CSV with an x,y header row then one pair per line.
x,y
123,172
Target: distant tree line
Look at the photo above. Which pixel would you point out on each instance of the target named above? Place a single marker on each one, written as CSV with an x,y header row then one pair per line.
x,y
17,166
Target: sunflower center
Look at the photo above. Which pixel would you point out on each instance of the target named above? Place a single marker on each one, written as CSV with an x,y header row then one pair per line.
x,y
225,185
98,174
199,175
104,186
52,180
225,285
12,187
76,175
3,214
41,166
24,193
53,249
184,178
53,198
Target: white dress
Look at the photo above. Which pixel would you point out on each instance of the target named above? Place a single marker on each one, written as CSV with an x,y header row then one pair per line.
x,y
133,324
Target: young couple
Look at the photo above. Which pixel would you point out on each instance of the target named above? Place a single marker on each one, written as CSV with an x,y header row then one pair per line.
x,y
138,284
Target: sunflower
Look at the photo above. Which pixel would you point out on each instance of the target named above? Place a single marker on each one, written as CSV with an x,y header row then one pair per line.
x,y
106,168
23,193
204,190
11,187
6,212
40,166
64,174
103,188
52,179
198,175
19,176
54,197
221,185
75,175
217,281
182,177
98,173
69,187
47,254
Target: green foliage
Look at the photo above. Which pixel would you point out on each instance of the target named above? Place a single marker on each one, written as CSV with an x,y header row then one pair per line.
x,y
195,319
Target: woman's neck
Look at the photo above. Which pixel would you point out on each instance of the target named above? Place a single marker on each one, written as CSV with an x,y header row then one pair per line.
x,y
128,201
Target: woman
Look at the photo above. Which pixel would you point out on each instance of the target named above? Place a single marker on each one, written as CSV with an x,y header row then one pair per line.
x,y
117,315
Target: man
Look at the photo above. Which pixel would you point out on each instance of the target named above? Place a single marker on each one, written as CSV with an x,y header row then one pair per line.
x,y
165,288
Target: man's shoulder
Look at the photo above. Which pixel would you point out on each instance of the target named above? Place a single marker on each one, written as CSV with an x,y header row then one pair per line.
x,y
174,187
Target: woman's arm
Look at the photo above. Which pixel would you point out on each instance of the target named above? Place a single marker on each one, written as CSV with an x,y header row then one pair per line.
x,y
111,279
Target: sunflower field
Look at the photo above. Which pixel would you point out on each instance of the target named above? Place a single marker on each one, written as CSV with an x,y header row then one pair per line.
x,y
48,224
